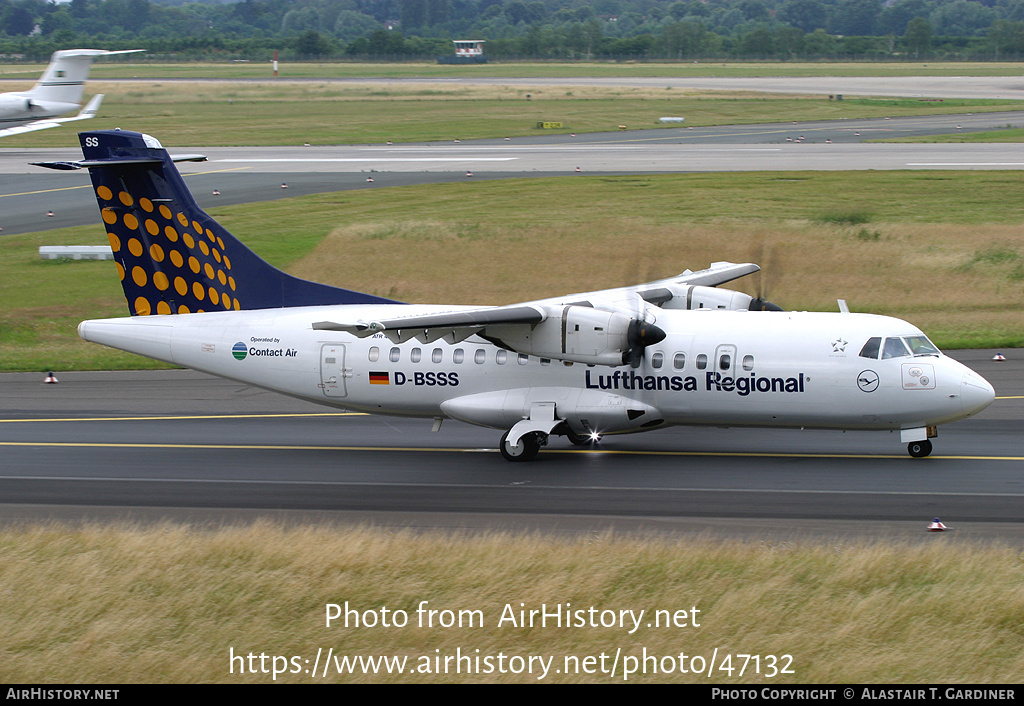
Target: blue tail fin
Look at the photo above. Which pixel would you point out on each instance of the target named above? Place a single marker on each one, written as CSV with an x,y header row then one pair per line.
x,y
173,258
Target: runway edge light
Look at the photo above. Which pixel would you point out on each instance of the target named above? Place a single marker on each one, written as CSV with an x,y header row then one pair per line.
x,y
936,526
51,379
999,356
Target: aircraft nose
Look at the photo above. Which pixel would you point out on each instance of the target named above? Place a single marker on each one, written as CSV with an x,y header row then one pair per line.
x,y
976,393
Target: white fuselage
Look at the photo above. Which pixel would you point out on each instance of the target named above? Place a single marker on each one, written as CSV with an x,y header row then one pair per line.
x,y
781,369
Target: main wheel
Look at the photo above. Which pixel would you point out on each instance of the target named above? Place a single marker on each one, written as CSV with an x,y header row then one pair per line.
x,y
525,450
919,449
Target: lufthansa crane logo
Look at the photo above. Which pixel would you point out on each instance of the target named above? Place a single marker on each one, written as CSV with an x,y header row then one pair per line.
x,y
867,381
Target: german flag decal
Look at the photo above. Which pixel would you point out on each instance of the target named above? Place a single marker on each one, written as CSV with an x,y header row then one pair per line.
x,y
379,379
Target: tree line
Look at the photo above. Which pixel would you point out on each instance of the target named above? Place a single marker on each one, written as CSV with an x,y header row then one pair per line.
x,y
655,30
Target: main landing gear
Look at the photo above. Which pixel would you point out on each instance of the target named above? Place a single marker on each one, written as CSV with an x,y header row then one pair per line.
x,y
529,444
527,447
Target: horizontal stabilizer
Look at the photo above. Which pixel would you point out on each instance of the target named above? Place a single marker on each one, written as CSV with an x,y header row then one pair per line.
x,y
67,166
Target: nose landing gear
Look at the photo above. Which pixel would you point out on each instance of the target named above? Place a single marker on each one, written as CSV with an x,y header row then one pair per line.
x,y
920,444
919,449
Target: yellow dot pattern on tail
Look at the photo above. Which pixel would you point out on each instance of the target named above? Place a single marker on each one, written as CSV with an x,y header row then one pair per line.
x,y
177,266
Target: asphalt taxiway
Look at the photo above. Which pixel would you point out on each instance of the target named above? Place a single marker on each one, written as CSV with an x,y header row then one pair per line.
x,y
182,445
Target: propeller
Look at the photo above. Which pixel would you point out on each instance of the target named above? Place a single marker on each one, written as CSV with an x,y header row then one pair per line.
x,y
639,335
760,302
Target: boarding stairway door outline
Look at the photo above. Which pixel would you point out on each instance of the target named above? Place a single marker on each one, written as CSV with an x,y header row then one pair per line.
x,y
333,373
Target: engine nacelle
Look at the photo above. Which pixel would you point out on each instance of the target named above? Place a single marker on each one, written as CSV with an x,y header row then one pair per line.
x,y
21,106
697,297
13,104
576,333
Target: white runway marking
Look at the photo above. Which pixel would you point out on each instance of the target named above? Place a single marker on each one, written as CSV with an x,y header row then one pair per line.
x,y
965,164
566,147
380,159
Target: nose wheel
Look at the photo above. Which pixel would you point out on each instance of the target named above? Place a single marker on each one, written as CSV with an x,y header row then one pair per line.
x,y
919,449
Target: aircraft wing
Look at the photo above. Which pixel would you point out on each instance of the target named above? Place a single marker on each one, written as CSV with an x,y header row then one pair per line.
x,y
453,326
29,127
718,273
608,327
89,111
463,323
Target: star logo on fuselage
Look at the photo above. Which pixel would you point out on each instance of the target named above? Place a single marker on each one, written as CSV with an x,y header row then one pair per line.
x,y
839,345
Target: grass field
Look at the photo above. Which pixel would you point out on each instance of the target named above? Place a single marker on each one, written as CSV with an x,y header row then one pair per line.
x,y
182,113
170,603
892,244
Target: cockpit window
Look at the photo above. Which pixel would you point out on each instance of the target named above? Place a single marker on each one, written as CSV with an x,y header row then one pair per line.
x,y
894,348
870,349
920,345
898,347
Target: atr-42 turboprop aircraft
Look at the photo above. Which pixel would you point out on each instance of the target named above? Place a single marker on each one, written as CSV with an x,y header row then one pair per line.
x,y
58,91
677,351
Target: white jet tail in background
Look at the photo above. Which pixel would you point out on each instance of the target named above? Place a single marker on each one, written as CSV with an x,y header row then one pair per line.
x,y
58,91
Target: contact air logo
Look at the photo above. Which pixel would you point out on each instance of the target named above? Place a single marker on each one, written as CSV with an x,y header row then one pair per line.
x,y
239,350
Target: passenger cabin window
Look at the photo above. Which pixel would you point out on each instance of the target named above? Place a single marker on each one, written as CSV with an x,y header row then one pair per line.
x,y
725,361
374,354
458,356
748,363
436,355
395,354
545,361
523,358
870,349
414,355
657,360
480,356
702,362
679,361
500,357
